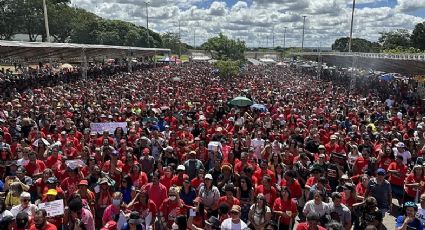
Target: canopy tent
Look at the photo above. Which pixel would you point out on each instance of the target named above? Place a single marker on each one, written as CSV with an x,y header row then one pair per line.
x,y
16,51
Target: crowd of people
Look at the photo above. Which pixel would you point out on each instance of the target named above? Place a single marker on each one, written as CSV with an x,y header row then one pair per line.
x,y
315,155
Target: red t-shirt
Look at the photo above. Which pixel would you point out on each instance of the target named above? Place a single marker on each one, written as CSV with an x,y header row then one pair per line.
x,y
157,193
348,202
179,181
305,226
48,226
144,210
283,206
170,210
411,179
230,203
36,168
294,188
395,179
270,194
166,181
70,185
361,165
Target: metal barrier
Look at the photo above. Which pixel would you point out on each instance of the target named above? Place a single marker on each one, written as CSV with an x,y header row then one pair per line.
x,y
406,56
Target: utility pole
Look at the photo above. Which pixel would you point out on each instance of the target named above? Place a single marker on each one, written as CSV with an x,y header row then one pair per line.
x,y
147,22
273,37
302,41
194,37
46,21
284,41
180,42
351,28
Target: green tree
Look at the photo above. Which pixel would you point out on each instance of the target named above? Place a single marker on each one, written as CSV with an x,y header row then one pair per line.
x,y
8,11
358,45
394,39
172,41
418,36
223,48
62,21
227,68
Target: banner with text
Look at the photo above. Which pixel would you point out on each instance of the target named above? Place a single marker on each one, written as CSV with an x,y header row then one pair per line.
x,y
54,208
110,126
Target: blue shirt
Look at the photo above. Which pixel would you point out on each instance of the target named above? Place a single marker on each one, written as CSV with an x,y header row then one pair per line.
x,y
415,224
188,197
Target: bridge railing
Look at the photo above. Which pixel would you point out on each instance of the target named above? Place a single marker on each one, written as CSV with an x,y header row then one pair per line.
x,y
405,56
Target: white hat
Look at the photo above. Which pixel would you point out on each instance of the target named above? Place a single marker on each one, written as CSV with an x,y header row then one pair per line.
x,y
400,145
25,195
208,176
181,167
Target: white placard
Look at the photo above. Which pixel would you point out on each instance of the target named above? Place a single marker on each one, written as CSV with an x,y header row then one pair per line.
x,y
54,208
110,126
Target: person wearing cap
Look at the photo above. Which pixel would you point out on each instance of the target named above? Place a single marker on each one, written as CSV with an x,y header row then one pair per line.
x,y
339,212
380,189
134,222
172,207
40,221
415,183
408,218
86,194
332,145
24,206
209,195
400,149
234,222
192,165
180,177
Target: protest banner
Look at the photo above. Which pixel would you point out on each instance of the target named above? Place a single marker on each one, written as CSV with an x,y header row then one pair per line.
x,y
54,208
110,126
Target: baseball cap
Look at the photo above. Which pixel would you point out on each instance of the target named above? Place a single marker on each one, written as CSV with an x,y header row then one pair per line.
x,y
236,208
208,176
380,171
181,168
52,192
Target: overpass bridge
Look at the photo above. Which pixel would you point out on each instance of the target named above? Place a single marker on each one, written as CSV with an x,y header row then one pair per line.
x,y
410,64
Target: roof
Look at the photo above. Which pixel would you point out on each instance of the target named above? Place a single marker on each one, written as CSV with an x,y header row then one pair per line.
x,y
36,51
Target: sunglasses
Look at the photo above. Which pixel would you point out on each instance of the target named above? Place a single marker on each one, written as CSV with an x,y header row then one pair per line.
x,y
25,200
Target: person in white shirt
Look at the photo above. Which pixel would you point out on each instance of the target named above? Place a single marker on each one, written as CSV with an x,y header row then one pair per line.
x,y
25,206
234,222
400,149
258,144
316,205
420,214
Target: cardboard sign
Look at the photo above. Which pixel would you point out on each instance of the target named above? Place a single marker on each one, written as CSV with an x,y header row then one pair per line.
x,y
110,126
54,208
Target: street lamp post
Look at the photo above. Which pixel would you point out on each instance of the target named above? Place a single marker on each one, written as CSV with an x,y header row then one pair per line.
x,y
46,21
180,42
284,41
302,41
351,28
147,22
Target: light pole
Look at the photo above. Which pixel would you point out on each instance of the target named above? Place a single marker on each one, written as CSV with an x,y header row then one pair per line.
x,y
273,37
351,28
46,21
284,41
147,22
302,41
180,42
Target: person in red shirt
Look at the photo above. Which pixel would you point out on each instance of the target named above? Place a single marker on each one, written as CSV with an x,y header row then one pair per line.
x,y
414,184
180,177
285,207
229,198
172,207
263,171
348,195
156,191
362,186
40,221
34,167
313,220
138,177
198,180
361,164
145,207
292,184
267,190
70,183
397,171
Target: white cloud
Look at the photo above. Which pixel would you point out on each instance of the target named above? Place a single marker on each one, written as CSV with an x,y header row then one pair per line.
x,y
253,20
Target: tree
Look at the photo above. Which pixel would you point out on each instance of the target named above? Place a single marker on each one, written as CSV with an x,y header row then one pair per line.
x,y
62,21
418,36
227,68
171,41
394,39
7,19
223,48
358,45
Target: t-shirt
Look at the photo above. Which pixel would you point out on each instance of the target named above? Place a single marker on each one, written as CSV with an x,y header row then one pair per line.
x,y
421,214
305,226
229,225
48,226
321,209
280,205
381,192
415,224
395,179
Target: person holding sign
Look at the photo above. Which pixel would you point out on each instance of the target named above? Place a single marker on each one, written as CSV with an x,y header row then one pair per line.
x,y
40,221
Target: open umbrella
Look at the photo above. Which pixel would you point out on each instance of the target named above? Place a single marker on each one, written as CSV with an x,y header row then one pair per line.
x,y
241,102
387,77
259,107
66,66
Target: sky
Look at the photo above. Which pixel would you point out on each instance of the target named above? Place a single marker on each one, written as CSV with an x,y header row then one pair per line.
x,y
259,21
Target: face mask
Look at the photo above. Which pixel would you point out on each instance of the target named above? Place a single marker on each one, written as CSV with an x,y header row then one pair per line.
x,y
116,202
173,198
